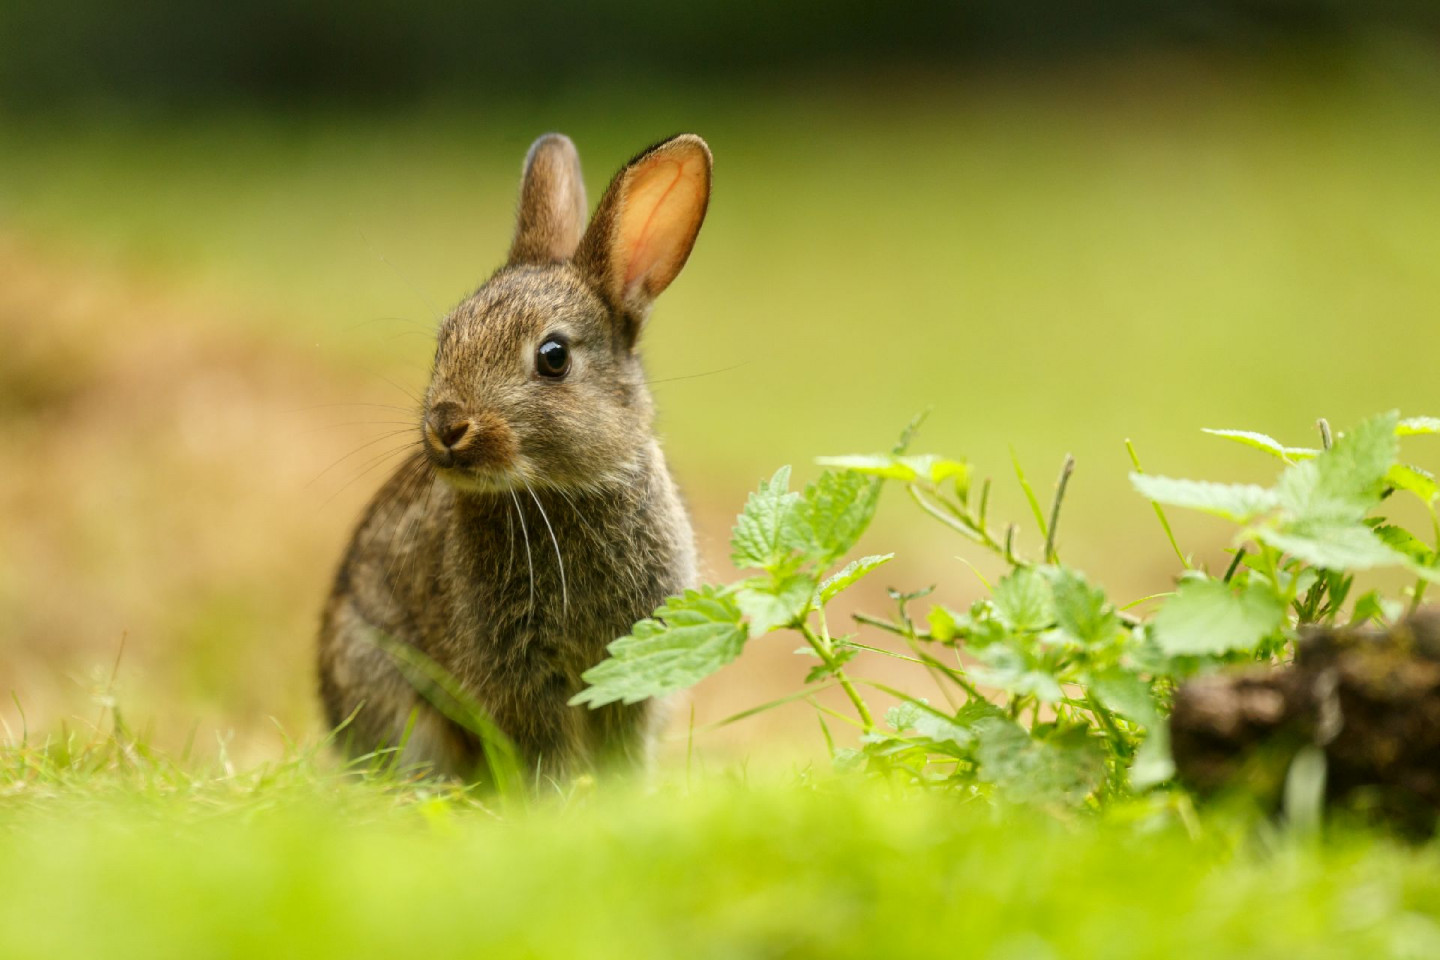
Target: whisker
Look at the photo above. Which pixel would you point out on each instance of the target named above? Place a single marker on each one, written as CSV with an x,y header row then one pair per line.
x,y
510,536
695,376
413,396
315,428
409,474
411,537
377,406
529,562
564,593
364,446
372,465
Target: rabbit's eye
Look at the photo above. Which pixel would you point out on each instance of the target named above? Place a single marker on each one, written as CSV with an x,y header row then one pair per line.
x,y
553,358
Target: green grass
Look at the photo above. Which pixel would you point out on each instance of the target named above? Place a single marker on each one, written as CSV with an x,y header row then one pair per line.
x,y
141,858
112,850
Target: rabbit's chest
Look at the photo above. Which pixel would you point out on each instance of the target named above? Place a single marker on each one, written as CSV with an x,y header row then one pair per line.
x,y
559,600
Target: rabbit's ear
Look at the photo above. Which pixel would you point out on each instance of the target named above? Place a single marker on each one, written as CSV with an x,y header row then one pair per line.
x,y
552,203
646,224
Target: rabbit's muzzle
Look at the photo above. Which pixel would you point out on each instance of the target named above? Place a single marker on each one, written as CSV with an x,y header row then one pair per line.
x,y
454,439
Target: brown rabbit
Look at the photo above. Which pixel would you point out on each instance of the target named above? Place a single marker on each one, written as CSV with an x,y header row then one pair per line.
x,y
540,521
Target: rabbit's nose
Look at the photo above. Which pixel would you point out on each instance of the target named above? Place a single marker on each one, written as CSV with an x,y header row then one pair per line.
x,y
445,430
451,434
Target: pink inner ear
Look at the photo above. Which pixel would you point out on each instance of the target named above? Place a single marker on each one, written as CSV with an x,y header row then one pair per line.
x,y
663,205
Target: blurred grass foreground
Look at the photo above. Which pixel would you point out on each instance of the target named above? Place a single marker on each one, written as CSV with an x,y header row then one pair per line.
x,y
292,863
221,263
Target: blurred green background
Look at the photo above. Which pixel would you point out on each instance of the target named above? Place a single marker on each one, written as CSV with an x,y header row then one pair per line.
x,y
226,236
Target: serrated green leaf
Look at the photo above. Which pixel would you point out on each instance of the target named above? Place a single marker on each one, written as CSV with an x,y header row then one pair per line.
x,y
1416,480
1369,606
1342,484
1065,767
766,532
775,603
1415,426
940,470
902,716
834,511
906,469
926,721
1130,695
1237,502
935,727
1127,694
1212,617
1006,668
1269,444
1154,763
687,639
1081,610
1335,546
1022,601
883,465
1403,541
850,574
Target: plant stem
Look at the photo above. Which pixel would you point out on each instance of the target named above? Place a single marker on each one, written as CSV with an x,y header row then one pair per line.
x,y
956,676
827,656
1159,510
1029,494
1067,468
1421,582
1235,564
885,625
1107,719
1419,593
960,523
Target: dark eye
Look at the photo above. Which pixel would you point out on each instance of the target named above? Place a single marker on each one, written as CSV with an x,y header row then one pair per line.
x,y
553,358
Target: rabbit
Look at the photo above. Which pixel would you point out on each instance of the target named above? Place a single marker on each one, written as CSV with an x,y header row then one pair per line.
x,y
537,520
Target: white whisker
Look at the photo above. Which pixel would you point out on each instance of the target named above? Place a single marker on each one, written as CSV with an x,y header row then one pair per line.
x,y
525,534
564,594
510,539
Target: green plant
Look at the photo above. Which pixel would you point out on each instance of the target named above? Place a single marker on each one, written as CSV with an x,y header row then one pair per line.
x,y
1052,693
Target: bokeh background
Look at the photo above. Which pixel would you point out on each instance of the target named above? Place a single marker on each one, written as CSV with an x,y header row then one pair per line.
x,y
227,233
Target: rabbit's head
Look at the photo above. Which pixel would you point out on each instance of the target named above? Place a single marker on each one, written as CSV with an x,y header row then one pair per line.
x,y
536,375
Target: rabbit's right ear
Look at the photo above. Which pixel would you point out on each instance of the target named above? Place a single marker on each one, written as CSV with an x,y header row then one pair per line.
x,y
552,203
646,223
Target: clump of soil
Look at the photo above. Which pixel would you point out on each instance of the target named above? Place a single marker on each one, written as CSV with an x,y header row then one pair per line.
x,y
1369,698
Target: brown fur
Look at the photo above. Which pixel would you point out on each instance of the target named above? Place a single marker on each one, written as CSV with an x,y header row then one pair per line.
x,y
540,520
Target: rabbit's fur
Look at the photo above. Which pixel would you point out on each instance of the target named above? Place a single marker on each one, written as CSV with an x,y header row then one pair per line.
x,y
512,558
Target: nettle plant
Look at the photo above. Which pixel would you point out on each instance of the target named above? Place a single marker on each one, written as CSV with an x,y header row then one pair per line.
x,y
1051,693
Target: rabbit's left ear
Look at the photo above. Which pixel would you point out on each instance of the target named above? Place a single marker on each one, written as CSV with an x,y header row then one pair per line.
x,y
552,203
646,224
